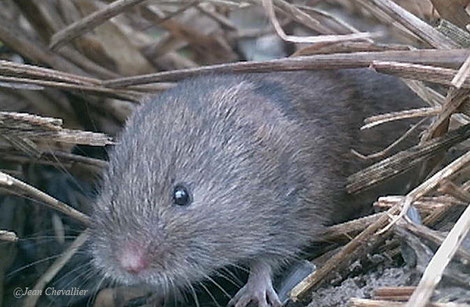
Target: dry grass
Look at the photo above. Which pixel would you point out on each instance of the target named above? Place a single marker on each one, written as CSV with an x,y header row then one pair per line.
x,y
85,64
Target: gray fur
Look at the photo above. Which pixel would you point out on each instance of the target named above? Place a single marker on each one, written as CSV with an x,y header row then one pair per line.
x,y
265,157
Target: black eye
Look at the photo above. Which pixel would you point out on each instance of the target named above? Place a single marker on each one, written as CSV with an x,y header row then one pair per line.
x,y
181,196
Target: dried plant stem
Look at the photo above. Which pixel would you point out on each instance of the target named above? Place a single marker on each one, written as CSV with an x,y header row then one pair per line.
x,y
31,300
318,276
435,237
418,72
431,183
344,230
90,22
8,236
420,28
390,147
35,72
450,188
440,125
462,74
403,160
268,4
452,58
385,118
433,273
9,182
393,293
342,257
362,302
90,89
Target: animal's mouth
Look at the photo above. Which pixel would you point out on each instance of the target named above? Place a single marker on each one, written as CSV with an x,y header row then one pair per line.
x,y
139,278
149,277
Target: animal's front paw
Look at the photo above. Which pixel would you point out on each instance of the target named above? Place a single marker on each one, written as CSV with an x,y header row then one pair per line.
x,y
264,295
258,289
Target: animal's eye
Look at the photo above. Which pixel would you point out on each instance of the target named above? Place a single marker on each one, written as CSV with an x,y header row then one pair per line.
x,y
181,196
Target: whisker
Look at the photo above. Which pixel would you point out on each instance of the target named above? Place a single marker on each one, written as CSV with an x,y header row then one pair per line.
x,y
89,269
65,171
218,286
239,267
32,264
230,277
97,287
193,292
209,293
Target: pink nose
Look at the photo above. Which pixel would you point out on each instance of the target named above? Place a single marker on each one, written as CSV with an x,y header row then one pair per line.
x,y
133,260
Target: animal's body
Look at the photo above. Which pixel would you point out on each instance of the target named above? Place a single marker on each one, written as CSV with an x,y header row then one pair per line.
x,y
236,169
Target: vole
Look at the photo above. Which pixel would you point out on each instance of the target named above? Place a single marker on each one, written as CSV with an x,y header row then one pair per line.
x,y
240,169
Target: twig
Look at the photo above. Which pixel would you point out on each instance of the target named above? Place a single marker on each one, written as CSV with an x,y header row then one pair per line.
x,y
448,187
420,28
335,24
393,293
429,95
222,20
53,158
36,72
403,160
22,125
9,236
90,22
348,47
303,288
16,120
453,32
268,4
31,300
90,89
453,101
426,204
437,214
345,230
376,120
431,183
16,39
362,302
452,58
433,273
462,74
8,181
435,237
390,147
298,16
453,11
418,71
